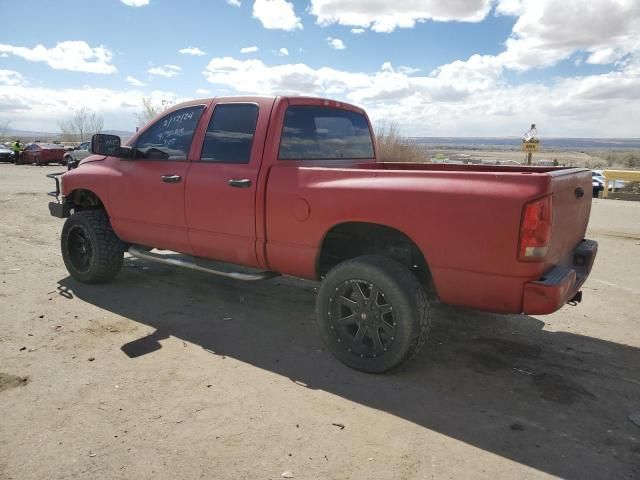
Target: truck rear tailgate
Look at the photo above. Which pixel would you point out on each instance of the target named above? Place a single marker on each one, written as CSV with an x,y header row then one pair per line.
x,y
571,208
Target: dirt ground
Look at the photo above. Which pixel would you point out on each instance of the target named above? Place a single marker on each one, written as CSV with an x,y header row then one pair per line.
x,y
168,374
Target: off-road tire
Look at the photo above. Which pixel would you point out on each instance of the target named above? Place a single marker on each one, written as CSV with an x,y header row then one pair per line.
x,y
107,250
400,289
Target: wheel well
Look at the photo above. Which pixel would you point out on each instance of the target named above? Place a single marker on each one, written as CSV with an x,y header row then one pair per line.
x,y
85,200
353,239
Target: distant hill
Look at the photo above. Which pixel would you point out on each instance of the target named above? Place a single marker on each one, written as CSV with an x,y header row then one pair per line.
x,y
29,135
120,133
513,143
493,143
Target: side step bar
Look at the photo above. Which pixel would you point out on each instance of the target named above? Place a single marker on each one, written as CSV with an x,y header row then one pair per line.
x,y
190,262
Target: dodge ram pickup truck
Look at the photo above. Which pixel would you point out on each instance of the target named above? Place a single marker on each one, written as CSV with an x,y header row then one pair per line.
x,y
291,185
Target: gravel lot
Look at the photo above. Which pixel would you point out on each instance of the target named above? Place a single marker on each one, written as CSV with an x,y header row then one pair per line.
x,y
167,373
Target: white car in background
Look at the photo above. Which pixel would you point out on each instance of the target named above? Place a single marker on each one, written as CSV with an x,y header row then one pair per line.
x,y
6,154
78,153
598,180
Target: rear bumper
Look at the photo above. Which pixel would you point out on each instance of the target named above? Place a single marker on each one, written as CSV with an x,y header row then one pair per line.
x,y
561,283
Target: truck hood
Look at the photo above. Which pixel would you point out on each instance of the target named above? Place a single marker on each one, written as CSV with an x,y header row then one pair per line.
x,y
92,158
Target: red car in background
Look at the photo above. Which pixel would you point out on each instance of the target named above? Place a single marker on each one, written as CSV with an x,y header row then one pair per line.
x,y
43,154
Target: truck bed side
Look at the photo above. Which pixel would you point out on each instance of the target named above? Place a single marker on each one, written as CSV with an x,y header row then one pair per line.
x,y
466,223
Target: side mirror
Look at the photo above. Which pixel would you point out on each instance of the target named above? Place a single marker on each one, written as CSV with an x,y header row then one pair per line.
x,y
109,145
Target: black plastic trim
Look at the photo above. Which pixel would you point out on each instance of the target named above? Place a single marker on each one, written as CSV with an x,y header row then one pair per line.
x,y
59,210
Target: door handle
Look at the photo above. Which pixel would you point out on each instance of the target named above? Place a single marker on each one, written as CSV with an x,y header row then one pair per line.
x,y
171,178
240,182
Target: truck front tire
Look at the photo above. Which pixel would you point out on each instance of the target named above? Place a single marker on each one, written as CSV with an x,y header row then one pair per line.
x,y
91,250
373,313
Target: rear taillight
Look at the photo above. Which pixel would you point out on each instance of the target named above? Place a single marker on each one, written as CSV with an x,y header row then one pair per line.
x,y
535,229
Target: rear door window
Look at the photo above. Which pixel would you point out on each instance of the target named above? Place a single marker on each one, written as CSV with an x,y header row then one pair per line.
x,y
230,133
170,137
323,133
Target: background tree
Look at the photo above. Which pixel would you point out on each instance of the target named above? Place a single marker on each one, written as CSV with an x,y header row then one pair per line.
x,y
4,129
81,126
621,159
395,147
151,110
631,160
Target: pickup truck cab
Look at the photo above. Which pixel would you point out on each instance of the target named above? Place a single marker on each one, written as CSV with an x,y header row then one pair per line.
x,y
291,185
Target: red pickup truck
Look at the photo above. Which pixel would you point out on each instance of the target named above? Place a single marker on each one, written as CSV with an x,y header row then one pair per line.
x,y
291,185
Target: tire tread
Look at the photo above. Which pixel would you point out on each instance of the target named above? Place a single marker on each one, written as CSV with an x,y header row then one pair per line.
x,y
415,292
108,248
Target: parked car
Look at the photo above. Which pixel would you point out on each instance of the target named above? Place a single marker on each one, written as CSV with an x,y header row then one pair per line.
x,y
6,154
42,154
614,185
292,185
77,153
597,182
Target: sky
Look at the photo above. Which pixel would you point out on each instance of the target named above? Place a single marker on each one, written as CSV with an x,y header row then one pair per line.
x,y
435,68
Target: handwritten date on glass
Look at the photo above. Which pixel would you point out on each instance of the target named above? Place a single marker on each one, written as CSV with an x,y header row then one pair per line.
x,y
177,119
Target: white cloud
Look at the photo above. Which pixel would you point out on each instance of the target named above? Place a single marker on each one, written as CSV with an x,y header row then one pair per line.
x,y
478,72
192,51
251,49
253,76
550,31
383,16
461,98
510,7
77,56
135,82
408,70
336,43
283,52
473,96
39,109
276,15
603,56
10,78
165,71
357,31
203,91
135,3
234,3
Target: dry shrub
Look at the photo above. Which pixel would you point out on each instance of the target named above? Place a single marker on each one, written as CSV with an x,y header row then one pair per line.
x,y
394,147
631,187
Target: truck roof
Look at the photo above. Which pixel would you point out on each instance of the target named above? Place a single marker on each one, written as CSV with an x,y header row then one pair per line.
x,y
296,99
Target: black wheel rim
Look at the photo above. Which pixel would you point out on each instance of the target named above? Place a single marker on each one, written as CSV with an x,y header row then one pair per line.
x,y
80,249
362,318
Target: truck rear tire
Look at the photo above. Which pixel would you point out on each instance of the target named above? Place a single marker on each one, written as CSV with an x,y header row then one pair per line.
x,y
91,250
373,313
